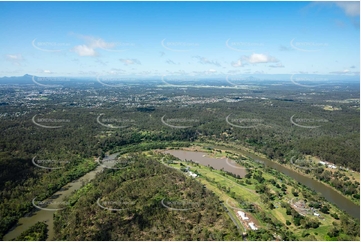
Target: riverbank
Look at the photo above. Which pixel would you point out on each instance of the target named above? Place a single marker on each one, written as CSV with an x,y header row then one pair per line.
x,y
39,214
24,223
238,149
231,189
331,194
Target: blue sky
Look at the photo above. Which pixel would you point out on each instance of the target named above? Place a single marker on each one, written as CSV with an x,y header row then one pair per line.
x,y
202,39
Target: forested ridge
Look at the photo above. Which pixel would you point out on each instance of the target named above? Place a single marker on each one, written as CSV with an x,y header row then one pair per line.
x,y
138,193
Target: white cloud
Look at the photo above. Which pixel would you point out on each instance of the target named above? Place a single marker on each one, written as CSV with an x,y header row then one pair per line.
x,y
350,8
84,50
130,61
15,59
237,63
99,43
260,58
92,43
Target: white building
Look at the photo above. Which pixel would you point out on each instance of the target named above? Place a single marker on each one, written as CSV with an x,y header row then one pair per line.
x,y
242,215
332,166
194,175
253,227
316,214
322,162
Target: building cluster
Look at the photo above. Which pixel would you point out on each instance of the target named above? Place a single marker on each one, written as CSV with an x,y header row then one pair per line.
x,y
244,217
328,164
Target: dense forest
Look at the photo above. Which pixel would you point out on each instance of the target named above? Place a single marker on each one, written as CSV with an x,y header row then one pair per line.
x,y
145,201
83,139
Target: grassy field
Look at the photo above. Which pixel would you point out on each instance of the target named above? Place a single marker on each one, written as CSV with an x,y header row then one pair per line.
x,y
223,185
238,149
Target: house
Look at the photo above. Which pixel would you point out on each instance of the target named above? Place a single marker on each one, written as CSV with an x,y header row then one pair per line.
x,y
332,166
252,226
316,214
242,215
194,175
322,162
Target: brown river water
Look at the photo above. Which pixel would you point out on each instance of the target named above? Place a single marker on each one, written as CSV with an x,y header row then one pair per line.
x,y
38,215
330,194
202,158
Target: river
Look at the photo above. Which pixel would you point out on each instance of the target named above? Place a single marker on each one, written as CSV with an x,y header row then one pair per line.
x,y
330,194
218,163
53,203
